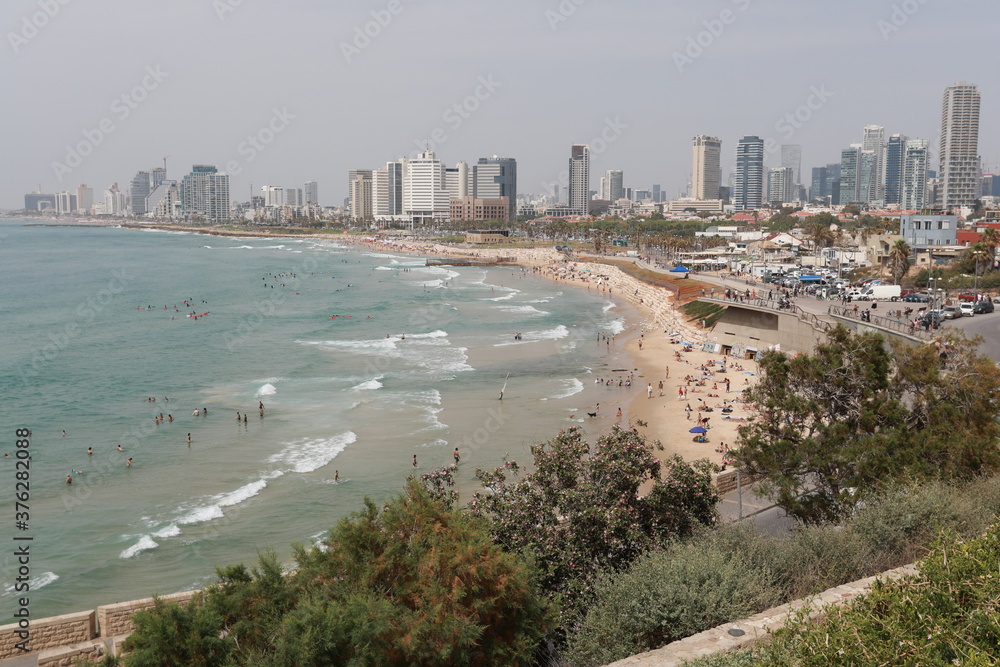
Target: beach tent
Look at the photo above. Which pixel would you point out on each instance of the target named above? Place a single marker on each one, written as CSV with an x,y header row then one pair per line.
x,y
679,270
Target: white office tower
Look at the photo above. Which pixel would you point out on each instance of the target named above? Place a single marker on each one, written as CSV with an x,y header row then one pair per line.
x,y
579,179
457,180
425,194
115,201
706,153
614,180
387,191
273,195
873,187
914,180
205,194
780,185
791,156
959,171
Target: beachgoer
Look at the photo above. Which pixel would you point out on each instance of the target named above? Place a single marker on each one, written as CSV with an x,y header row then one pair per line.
x,y
649,390
189,438
69,479
457,457
196,412
120,448
244,418
170,418
238,418
90,451
336,476
619,413
204,411
414,460
64,434
128,464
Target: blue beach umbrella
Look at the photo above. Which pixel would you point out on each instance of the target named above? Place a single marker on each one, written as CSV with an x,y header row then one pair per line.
x,y
698,429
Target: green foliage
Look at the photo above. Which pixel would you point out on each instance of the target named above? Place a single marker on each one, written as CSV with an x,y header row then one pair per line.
x,y
669,595
413,582
696,311
947,614
580,511
169,634
838,423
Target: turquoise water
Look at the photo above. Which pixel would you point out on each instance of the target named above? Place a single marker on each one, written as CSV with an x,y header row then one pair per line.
x,y
300,325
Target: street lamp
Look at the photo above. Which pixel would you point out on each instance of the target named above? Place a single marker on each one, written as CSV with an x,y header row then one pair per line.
x,y
975,276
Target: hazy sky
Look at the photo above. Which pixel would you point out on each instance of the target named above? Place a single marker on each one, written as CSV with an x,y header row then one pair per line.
x,y
637,79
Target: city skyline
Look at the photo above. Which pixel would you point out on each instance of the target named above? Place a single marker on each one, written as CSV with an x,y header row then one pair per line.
x,y
154,97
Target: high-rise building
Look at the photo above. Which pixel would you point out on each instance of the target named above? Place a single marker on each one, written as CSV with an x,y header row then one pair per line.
x,y
387,190
780,185
913,194
457,180
496,178
115,201
84,199
579,179
819,183
165,200
748,183
706,153
352,175
850,165
312,193
868,178
361,197
791,156
425,194
959,154
65,202
873,181
157,176
205,193
273,195
36,201
614,180
657,193
895,154
990,186
138,190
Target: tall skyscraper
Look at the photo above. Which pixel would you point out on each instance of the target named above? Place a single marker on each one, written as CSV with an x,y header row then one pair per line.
x,y
457,180
425,194
312,193
748,184
84,199
496,178
387,190
579,179
361,197
205,193
273,195
705,171
791,156
913,194
138,191
614,185
780,185
657,193
819,184
873,182
895,154
157,176
850,165
959,172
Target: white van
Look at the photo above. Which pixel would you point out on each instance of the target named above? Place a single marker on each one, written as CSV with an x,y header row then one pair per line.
x,y
881,293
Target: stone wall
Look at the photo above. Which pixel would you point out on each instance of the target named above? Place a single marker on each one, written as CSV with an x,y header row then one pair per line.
x,y
60,640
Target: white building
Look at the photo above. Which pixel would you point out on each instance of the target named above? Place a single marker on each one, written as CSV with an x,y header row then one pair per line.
x,y
579,179
705,170
426,198
913,185
457,181
959,152
205,193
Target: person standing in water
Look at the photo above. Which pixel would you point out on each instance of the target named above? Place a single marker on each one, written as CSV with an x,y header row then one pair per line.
x,y
90,451
336,476
414,460
457,457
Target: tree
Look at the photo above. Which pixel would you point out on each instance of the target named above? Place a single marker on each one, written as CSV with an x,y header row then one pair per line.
x,y
580,511
412,582
899,260
837,423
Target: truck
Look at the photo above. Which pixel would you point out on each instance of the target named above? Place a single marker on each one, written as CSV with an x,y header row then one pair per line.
x,y
881,293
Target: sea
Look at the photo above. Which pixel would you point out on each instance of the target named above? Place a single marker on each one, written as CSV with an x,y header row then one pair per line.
x,y
362,361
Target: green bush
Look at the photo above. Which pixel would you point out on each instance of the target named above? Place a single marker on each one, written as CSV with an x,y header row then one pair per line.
x,y
669,595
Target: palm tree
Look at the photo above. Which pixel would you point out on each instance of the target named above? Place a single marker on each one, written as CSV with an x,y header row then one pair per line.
x,y
990,240
899,260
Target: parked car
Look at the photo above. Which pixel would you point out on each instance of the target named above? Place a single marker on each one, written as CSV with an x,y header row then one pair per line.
x,y
984,306
971,297
917,297
951,312
932,318
967,309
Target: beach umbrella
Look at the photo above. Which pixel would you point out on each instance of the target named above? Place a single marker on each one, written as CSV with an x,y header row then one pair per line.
x,y
698,429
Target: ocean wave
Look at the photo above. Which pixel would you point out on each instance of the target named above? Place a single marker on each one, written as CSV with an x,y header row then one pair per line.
x,y
522,310
511,293
34,583
569,388
608,306
213,508
535,336
385,268
614,327
307,455
266,390
145,543
172,530
370,385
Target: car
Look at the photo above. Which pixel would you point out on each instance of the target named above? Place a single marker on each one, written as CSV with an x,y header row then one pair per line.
x,y
951,312
931,318
971,297
967,309
916,297
984,306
